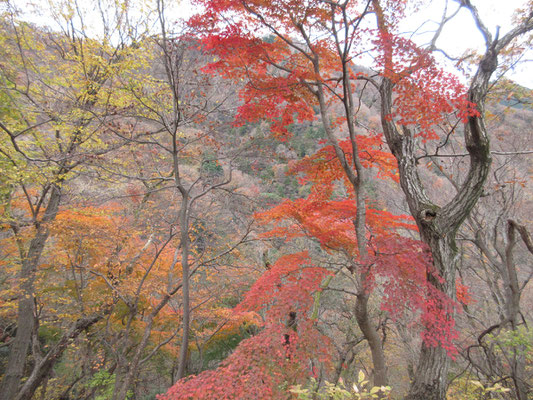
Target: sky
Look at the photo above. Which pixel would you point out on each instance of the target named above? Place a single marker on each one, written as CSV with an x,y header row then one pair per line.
x,y
459,35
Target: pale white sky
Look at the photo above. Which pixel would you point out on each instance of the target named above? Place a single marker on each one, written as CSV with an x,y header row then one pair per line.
x,y
459,35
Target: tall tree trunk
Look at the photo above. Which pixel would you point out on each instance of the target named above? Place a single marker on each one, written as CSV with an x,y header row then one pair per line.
x,y
18,349
357,177
42,369
184,226
438,225
373,338
430,379
512,302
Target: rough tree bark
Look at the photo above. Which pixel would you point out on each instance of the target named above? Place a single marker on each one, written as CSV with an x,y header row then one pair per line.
x,y
43,368
25,318
438,224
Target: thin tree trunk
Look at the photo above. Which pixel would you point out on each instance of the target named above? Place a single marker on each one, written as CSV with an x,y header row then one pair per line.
x,y
130,370
374,340
512,302
184,348
357,177
356,174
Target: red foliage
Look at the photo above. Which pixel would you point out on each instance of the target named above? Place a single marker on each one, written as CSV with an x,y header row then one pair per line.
x,y
463,293
425,93
277,81
406,271
401,265
279,356
282,99
324,168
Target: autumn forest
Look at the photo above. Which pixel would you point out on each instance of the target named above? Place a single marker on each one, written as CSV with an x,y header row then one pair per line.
x,y
264,199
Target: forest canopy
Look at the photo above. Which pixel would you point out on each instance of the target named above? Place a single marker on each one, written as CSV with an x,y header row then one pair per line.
x,y
265,200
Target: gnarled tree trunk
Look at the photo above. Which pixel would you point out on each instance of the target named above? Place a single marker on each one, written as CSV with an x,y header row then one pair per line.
x,y
438,224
